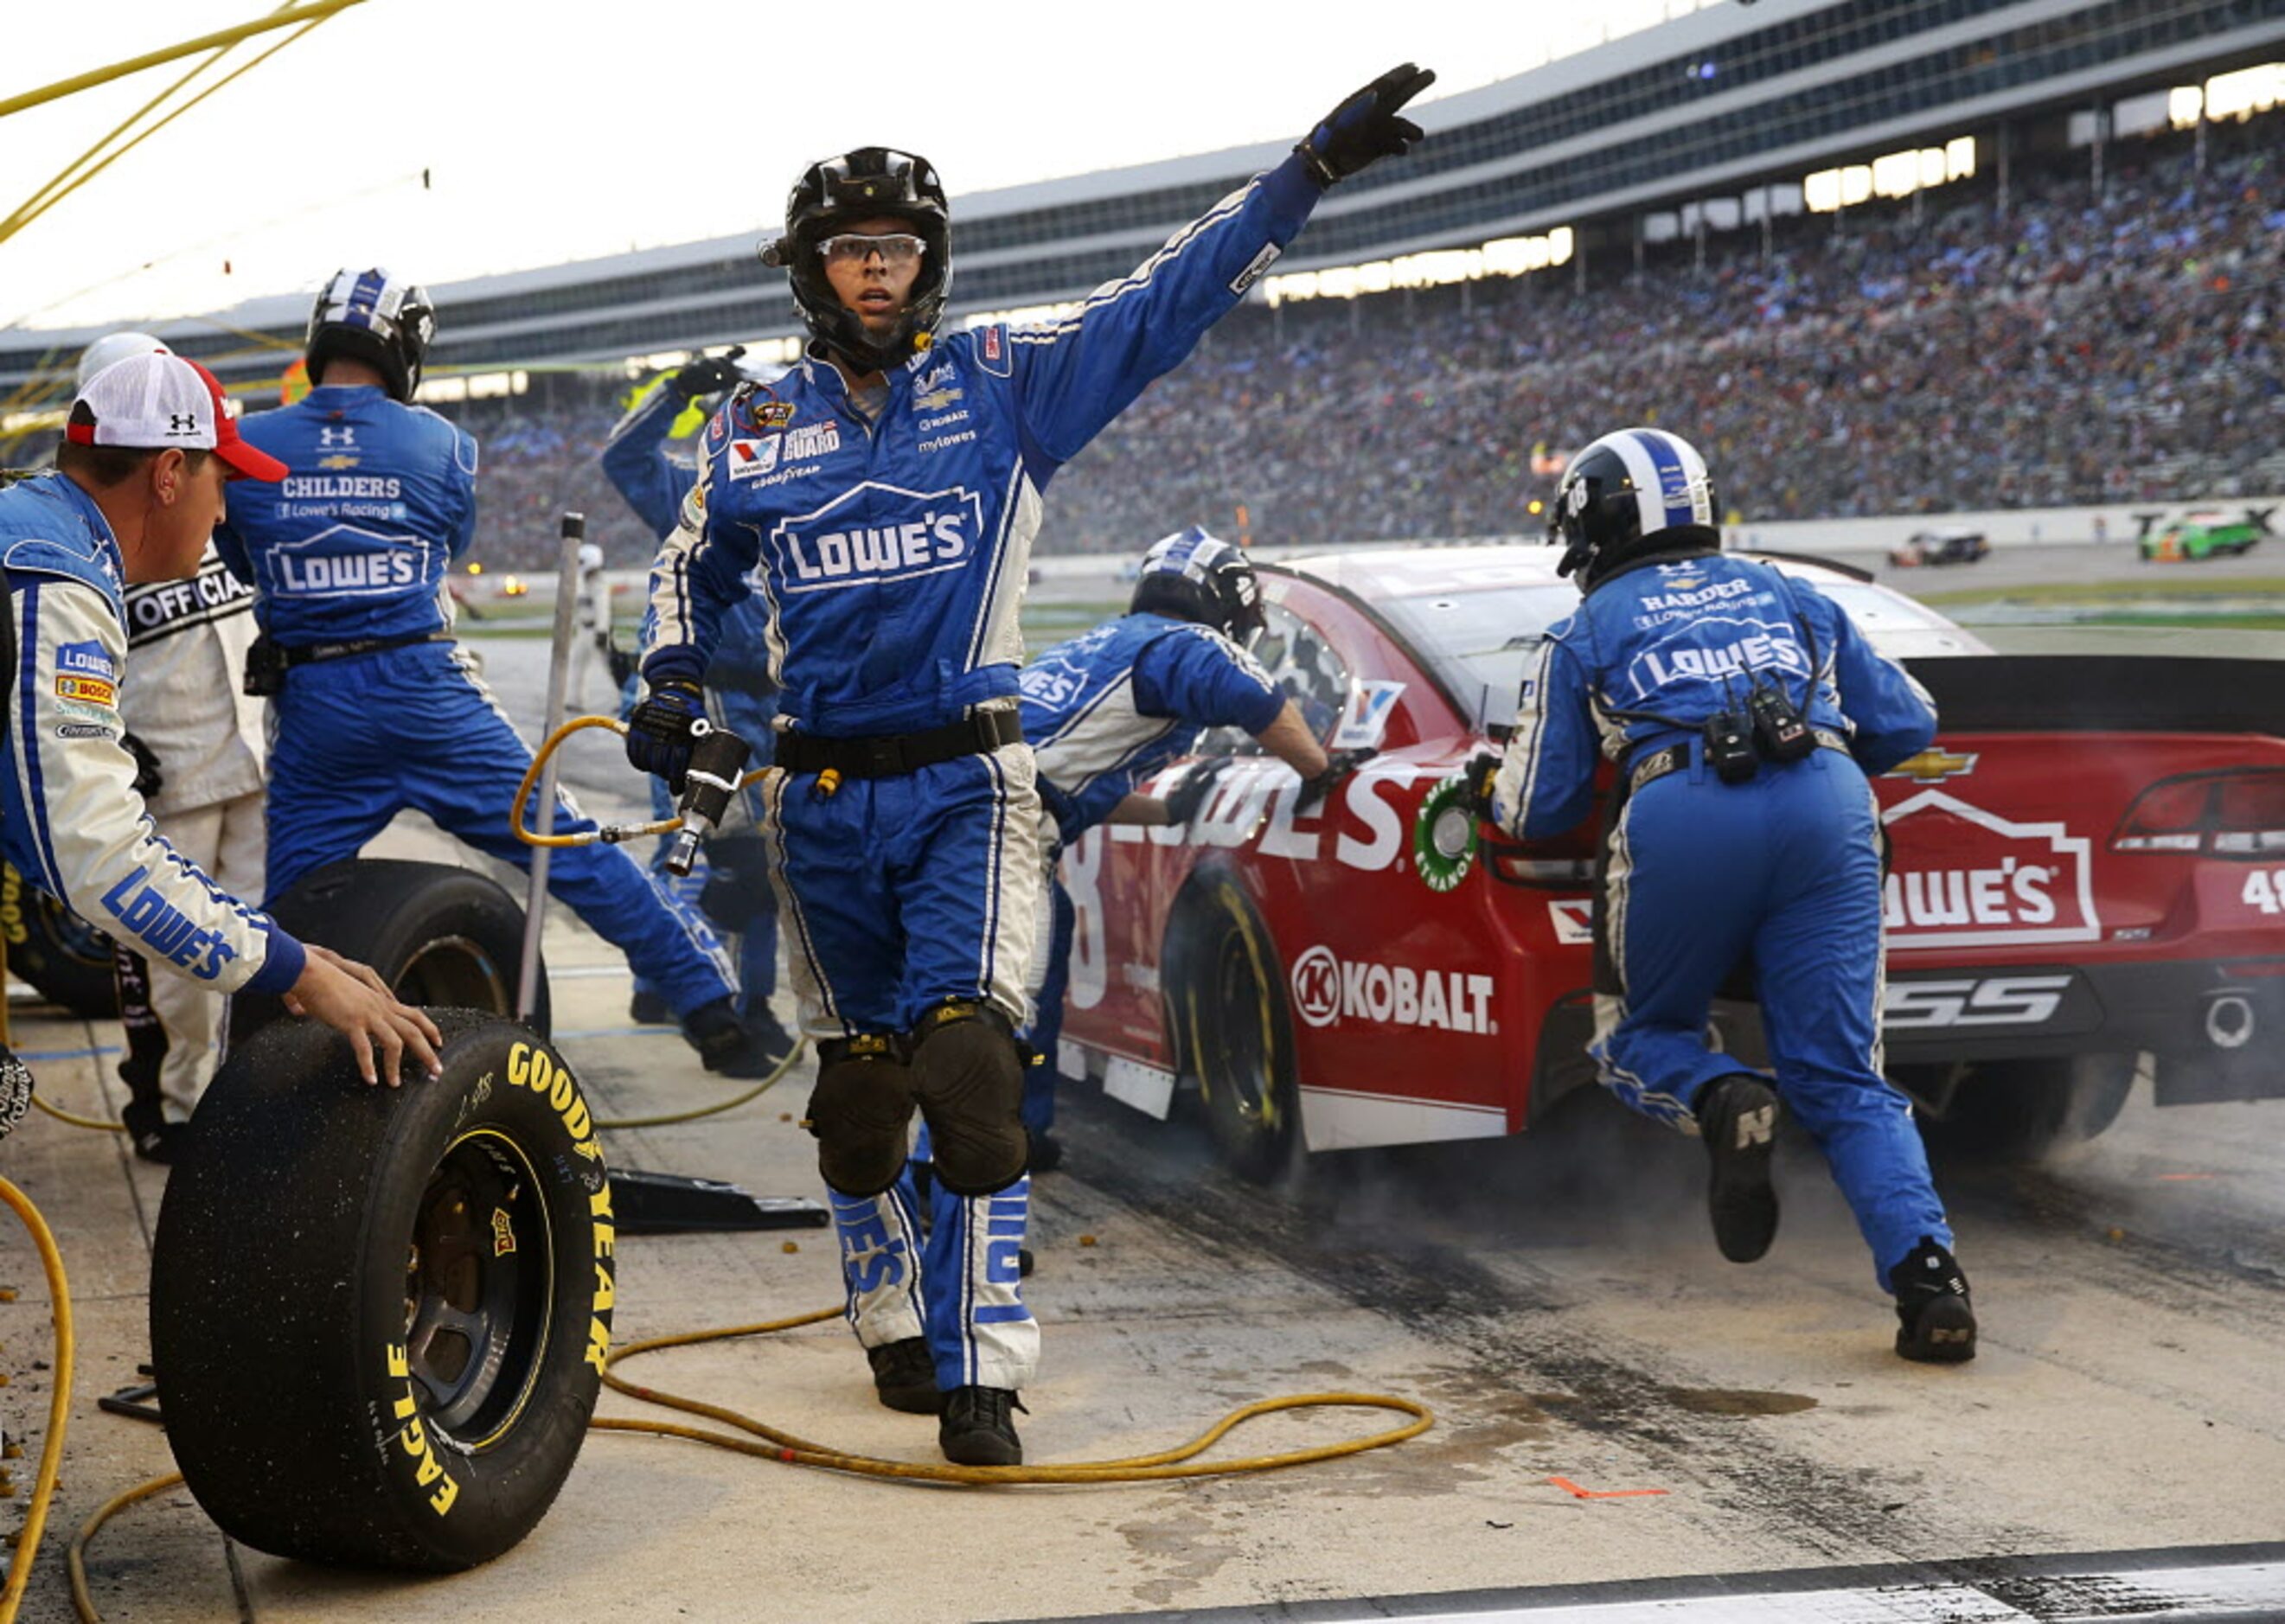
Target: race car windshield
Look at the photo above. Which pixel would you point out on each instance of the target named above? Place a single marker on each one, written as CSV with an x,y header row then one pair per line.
x,y
1877,612
1479,641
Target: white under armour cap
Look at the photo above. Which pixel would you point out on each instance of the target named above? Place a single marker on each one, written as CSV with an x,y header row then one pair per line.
x,y
157,399
114,347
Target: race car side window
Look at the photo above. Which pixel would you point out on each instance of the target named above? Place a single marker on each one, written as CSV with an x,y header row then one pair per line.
x,y
1301,661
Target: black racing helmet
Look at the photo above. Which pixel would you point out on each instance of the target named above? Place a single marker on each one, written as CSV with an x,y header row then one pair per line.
x,y
372,317
1193,575
1625,489
872,180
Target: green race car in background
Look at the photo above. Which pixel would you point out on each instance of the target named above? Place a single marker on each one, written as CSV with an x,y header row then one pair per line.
x,y
2193,537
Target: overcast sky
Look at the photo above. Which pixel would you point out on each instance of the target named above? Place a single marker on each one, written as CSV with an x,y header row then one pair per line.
x,y
563,130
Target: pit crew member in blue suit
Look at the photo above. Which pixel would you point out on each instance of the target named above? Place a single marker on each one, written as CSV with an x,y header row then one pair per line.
x,y
136,491
882,498
733,884
1109,709
377,707
1744,711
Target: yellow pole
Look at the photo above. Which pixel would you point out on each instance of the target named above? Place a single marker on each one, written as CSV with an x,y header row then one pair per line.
x,y
39,199
31,212
316,9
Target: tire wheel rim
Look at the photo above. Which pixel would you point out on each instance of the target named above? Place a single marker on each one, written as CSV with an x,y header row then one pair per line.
x,y
74,936
1242,1058
479,1285
452,972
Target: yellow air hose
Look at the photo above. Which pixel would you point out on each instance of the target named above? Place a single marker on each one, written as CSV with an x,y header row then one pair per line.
x,y
51,1448
763,1440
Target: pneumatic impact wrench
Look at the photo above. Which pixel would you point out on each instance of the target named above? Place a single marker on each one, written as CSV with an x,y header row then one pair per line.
x,y
717,761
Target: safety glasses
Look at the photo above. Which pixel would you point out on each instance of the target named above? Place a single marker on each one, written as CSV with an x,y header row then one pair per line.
x,y
897,250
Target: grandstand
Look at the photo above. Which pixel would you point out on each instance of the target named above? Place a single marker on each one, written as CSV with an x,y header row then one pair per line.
x,y
1876,254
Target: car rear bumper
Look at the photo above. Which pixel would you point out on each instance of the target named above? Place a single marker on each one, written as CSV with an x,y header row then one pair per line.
x,y
2213,1025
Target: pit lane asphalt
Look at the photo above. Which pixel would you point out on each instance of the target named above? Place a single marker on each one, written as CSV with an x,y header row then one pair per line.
x,y
1556,1299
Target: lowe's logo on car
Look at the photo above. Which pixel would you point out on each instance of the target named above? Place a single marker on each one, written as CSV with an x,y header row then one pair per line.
x,y
346,562
1964,876
1325,988
1749,646
877,533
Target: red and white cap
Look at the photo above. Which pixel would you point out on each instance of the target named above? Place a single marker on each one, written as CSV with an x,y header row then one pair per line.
x,y
152,401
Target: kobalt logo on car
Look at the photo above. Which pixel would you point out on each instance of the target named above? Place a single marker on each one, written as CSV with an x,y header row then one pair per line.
x,y
1325,990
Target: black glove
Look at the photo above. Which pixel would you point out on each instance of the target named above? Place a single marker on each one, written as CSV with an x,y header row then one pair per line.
x,y
709,374
1365,127
1185,799
662,729
148,780
1483,767
1342,763
624,663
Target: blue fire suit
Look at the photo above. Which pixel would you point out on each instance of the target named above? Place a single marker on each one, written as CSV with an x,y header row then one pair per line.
x,y
889,553
70,821
1699,873
1104,713
351,548
739,692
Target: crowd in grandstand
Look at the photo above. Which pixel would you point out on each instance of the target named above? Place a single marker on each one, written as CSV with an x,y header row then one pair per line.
x,y
2067,350
2071,349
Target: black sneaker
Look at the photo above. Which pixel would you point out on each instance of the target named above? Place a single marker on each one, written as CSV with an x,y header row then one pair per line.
x,y
1046,1153
1936,1321
904,1376
650,1010
729,1046
770,1033
154,1138
977,1429
1738,1118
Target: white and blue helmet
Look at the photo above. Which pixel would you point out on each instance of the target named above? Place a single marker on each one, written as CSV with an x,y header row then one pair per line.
x,y
1627,486
1193,575
116,347
372,317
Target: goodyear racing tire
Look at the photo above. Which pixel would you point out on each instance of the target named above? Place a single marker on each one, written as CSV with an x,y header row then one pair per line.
x,y
379,1316
1237,1032
2026,1110
54,952
443,938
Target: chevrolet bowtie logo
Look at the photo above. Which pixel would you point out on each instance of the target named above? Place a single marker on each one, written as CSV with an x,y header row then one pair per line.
x,y
1933,767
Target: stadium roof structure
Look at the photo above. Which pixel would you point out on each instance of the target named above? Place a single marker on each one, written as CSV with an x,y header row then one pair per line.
x,y
1726,97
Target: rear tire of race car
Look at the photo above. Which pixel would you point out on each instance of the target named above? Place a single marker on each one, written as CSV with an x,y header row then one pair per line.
x,y
56,952
1237,1032
442,936
2026,1110
378,1315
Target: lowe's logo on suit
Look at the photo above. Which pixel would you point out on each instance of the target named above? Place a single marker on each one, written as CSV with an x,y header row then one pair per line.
x,y
345,562
883,534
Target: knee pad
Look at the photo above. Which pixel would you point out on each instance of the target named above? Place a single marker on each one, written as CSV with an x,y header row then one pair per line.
x,y
861,1113
969,1079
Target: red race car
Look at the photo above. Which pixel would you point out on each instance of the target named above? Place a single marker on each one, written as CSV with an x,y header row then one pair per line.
x,y
2088,880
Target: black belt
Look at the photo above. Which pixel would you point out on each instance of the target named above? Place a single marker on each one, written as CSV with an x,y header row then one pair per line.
x,y
893,755
309,654
1674,758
